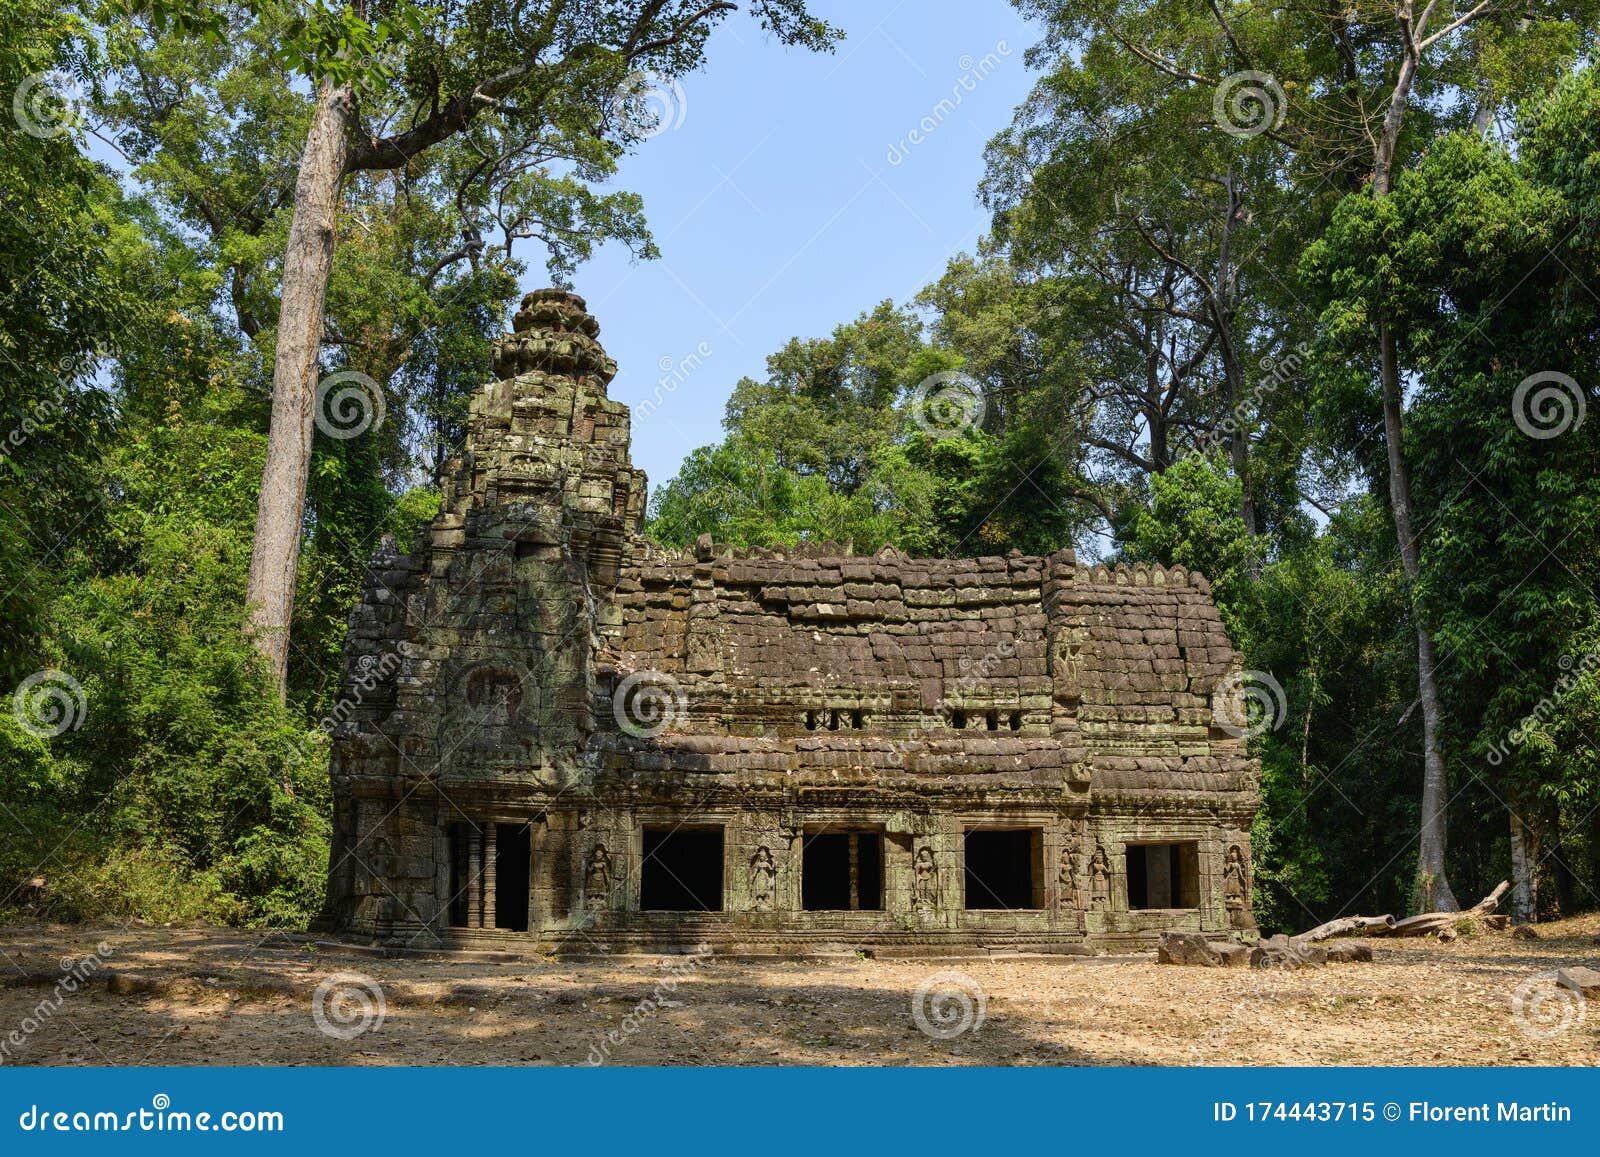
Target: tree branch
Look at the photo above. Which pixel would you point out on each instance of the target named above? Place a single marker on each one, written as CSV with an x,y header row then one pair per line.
x,y
682,29
1465,18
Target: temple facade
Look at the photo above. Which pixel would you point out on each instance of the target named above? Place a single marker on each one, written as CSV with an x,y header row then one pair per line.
x,y
558,735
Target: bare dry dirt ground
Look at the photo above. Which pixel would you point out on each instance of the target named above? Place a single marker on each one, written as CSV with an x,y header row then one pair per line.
x,y
190,996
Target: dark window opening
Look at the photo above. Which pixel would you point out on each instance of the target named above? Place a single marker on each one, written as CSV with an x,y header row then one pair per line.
x,y
958,720
992,721
1003,868
1163,875
682,870
514,843
842,871
836,719
462,872
1016,721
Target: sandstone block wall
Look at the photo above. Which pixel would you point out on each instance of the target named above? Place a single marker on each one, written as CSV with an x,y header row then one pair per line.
x,y
540,678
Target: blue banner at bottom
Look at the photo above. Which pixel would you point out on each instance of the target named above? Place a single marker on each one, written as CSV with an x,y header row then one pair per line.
x,y
768,1112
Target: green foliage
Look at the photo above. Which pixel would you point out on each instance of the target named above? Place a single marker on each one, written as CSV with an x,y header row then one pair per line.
x,y
828,404
831,444
1482,255
66,309
128,526
173,796
1192,520
177,769
739,493
136,385
1325,622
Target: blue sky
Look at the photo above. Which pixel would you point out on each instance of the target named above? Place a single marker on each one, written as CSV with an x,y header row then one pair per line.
x,y
776,206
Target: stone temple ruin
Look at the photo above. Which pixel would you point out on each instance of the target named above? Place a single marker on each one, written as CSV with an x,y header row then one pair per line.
x,y
558,735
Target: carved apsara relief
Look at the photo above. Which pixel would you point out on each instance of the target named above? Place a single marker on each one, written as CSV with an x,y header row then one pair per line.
x,y
1236,884
597,879
1100,879
927,881
763,878
1068,655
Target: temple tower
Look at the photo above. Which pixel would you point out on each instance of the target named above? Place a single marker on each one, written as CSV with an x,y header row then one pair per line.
x,y
480,648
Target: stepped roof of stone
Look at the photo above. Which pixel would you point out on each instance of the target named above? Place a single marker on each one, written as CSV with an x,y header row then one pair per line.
x,y
811,663
554,333
963,655
825,554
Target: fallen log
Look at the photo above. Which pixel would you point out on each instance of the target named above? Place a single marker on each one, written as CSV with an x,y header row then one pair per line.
x,y
1490,902
1423,924
1426,923
1378,925
1431,923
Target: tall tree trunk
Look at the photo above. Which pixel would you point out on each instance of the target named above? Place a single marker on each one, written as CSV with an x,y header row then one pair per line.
x,y
1524,884
1432,892
1239,447
307,262
1155,416
1222,311
1483,113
